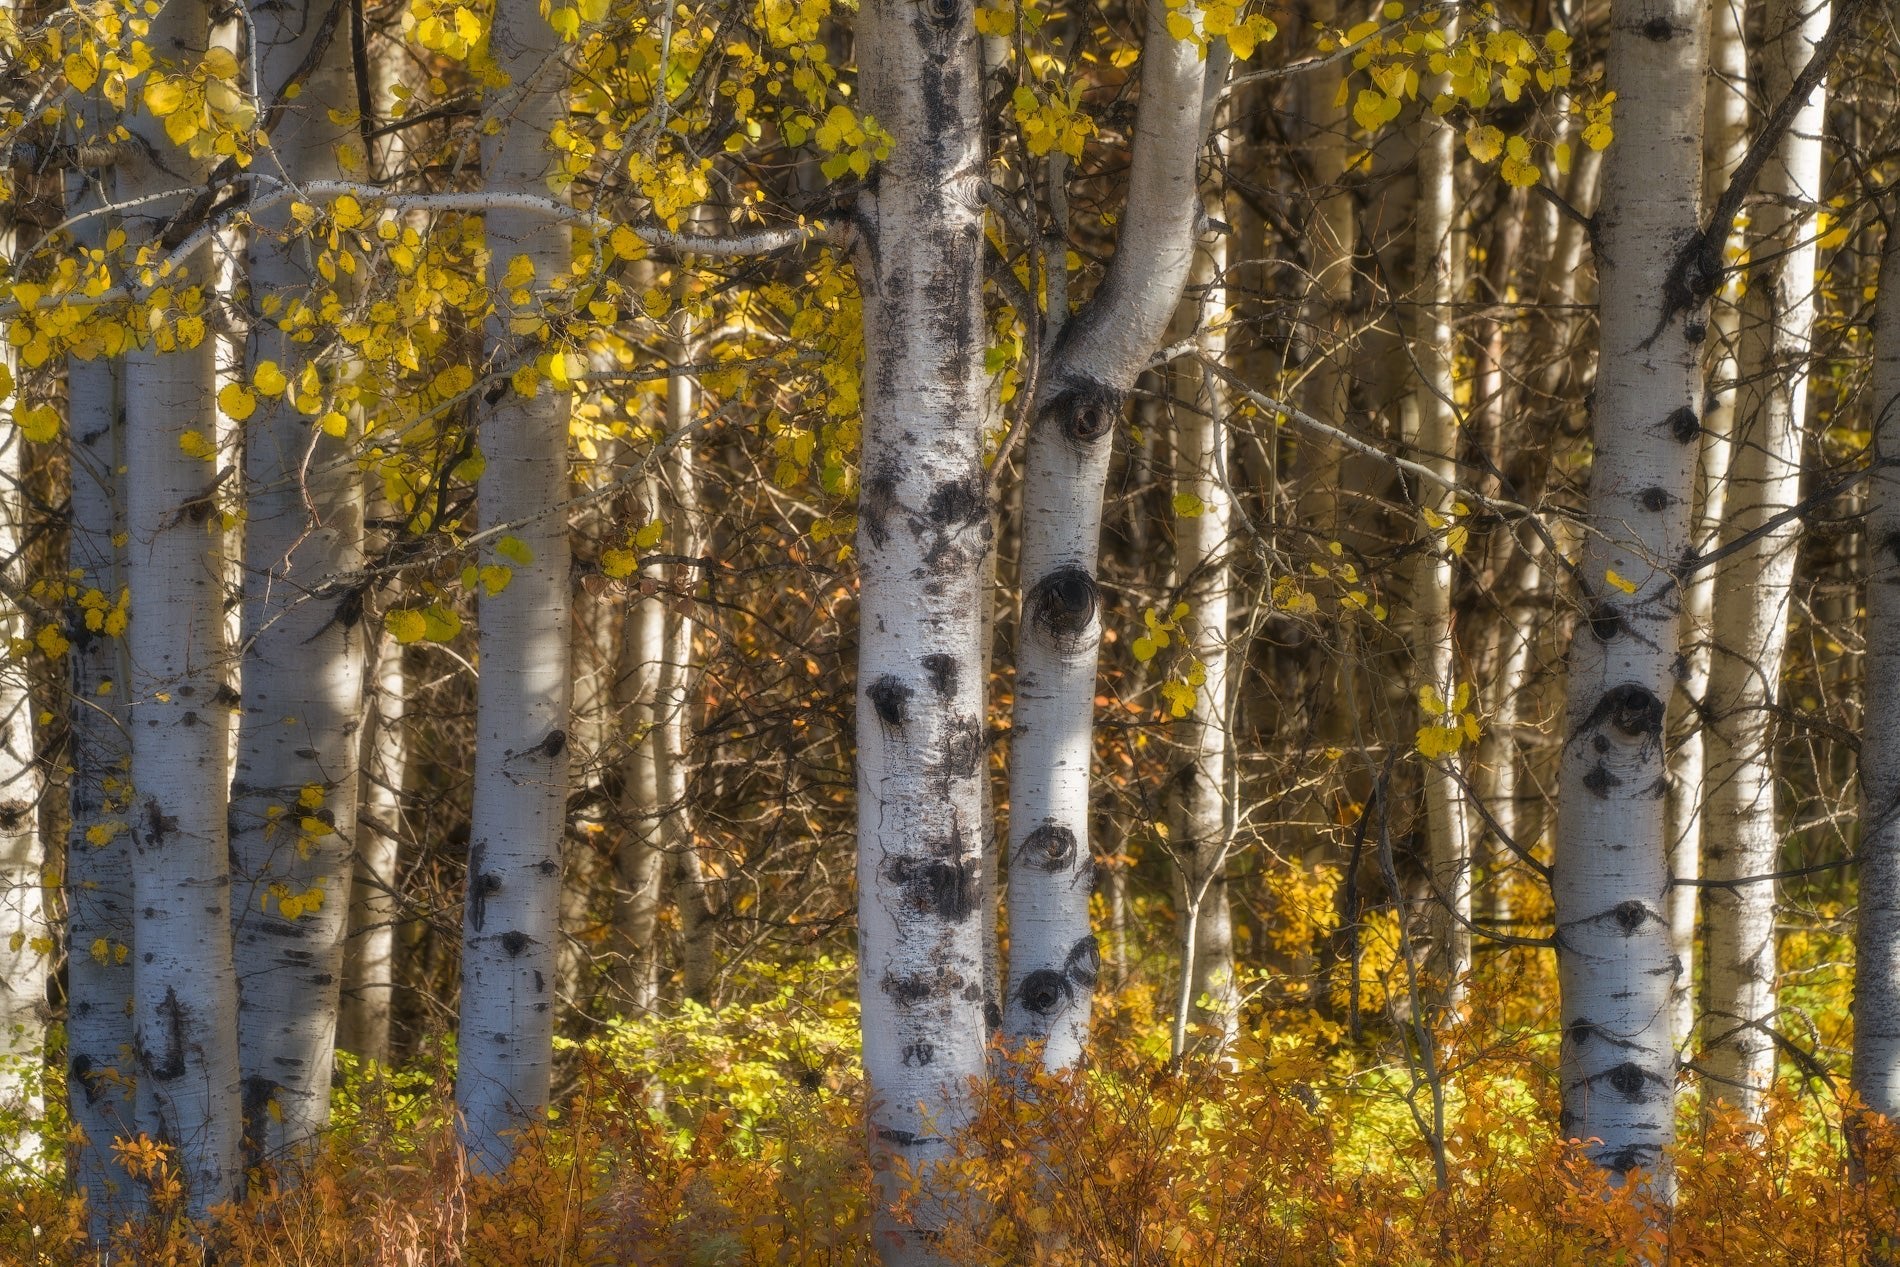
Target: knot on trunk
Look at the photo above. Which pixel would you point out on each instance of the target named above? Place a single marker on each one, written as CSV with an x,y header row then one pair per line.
x,y
1044,991
1062,606
1631,710
1084,413
1050,847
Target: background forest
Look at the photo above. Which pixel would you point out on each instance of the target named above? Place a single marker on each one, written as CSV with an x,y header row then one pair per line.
x,y
777,631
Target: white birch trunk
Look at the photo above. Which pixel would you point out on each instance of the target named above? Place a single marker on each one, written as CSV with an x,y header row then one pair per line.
x,y
521,756
923,531
639,861
1727,139
1611,881
1876,1076
673,693
1054,960
369,951
1201,544
184,988
294,788
1447,831
98,873
1742,836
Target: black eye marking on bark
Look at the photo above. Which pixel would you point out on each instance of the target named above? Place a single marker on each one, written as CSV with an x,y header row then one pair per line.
x,y
940,886
172,1013
1633,710
1626,1159
1629,1079
891,699
954,503
1683,425
88,1078
1606,622
1062,604
554,743
1630,916
514,943
12,814
158,824
917,1055
874,506
1580,1031
1653,499
961,754
1600,780
1658,29
259,1091
1695,329
480,885
943,673
540,982
942,12
1084,963
1600,742
1050,847
1892,543
992,1015
1043,991
1679,668
546,866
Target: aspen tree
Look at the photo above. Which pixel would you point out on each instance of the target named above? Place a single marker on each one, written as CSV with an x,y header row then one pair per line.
x,y
184,988
1616,967
923,531
369,951
1727,138
25,941
1876,1076
1095,360
1447,829
510,921
639,863
294,787
98,871
1742,833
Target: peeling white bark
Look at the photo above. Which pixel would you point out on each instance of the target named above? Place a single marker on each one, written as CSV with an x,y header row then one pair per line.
x,y
1611,880
369,949
521,756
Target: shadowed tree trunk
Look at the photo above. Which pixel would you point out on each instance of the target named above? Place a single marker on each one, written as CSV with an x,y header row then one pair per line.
x,y
369,953
294,789
1742,832
184,989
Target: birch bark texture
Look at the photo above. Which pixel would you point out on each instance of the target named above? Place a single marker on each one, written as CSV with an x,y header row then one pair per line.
x,y
1725,142
184,988
1054,959
98,873
366,1013
1876,1071
512,913
294,786
1611,879
1742,833
923,532
1447,829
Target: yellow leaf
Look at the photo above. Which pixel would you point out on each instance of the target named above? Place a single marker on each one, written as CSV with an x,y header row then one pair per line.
x,y
269,379
194,444
516,549
618,564
1484,142
649,536
495,578
237,401
163,96
405,625
347,212
40,424
1188,506
334,424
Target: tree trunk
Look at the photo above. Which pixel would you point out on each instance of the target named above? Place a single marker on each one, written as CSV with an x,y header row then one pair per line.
x,y
25,937
1727,139
639,859
923,530
1876,1077
369,952
1207,803
294,791
674,694
184,988
1616,967
1752,590
521,757
98,872
1054,961
1447,831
